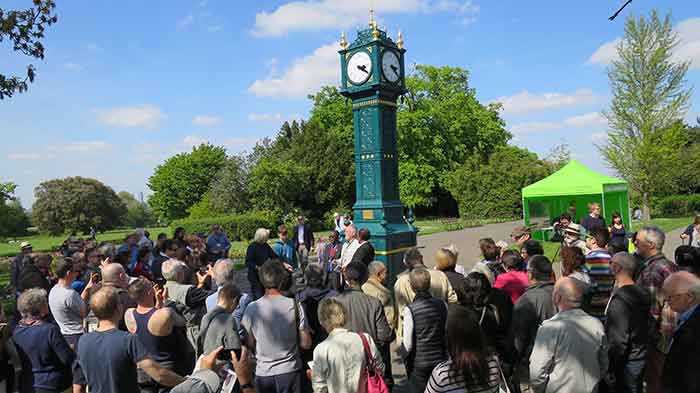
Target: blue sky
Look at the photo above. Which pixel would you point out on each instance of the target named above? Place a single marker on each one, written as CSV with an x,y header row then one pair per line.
x,y
126,84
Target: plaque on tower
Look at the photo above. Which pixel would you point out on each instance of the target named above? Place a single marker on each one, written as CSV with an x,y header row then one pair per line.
x,y
373,77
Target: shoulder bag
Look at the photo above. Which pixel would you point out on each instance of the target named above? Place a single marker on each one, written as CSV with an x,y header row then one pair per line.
x,y
371,380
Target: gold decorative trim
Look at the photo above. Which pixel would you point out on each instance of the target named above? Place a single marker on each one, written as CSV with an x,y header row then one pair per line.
x,y
368,214
374,101
391,252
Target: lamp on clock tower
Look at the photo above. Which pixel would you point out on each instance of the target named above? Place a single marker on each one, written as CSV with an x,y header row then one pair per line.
x,y
372,75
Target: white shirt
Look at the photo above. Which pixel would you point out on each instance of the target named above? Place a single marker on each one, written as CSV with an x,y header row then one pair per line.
x,y
301,234
348,252
338,361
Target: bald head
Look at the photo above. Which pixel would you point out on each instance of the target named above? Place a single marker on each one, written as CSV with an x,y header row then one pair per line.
x,y
105,304
626,263
115,274
568,293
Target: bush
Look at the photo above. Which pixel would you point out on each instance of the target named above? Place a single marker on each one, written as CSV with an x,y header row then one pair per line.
x,y
676,206
237,227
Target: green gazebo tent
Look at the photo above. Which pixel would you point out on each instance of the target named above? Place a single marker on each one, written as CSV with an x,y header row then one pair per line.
x,y
570,189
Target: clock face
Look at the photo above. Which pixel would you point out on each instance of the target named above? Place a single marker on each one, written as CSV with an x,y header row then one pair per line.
x,y
391,66
359,67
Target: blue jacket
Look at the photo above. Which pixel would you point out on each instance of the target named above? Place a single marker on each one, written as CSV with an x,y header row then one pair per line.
x,y
218,244
286,252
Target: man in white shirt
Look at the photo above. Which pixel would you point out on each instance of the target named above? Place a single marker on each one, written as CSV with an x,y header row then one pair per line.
x,y
350,246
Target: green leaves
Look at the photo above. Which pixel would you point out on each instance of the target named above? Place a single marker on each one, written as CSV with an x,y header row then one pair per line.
x,y
76,204
183,179
646,140
24,29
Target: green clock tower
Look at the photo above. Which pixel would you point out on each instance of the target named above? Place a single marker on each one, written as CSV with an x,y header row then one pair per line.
x,y
372,75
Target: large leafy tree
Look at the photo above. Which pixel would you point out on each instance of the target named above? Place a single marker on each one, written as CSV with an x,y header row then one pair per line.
x,y
24,30
646,136
440,125
492,187
76,204
183,179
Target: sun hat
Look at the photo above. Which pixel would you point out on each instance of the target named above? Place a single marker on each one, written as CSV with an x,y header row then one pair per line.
x,y
519,231
24,245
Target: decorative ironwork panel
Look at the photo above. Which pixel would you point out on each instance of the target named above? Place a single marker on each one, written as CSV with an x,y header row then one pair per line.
x,y
366,129
369,181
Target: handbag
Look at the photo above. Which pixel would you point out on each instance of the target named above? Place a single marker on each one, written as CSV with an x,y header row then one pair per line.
x,y
371,380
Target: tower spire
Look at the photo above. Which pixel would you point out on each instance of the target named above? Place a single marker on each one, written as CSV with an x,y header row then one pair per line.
x,y
372,21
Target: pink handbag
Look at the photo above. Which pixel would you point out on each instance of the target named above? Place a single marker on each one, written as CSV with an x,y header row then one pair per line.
x,y
371,379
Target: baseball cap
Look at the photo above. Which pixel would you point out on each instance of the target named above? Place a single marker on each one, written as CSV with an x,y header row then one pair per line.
x,y
520,230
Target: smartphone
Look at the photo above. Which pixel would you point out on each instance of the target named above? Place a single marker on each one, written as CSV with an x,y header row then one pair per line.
x,y
225,354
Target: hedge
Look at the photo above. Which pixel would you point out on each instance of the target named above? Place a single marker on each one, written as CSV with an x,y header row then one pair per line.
x,y
677,205
236,227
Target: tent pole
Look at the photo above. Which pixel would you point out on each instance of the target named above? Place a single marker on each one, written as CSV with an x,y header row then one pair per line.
x,y
603,198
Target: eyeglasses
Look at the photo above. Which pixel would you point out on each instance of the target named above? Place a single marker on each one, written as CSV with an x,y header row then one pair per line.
x,y
670,298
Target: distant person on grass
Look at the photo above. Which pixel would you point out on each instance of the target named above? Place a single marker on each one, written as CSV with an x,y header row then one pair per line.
x,y
691,234
284,247
218,244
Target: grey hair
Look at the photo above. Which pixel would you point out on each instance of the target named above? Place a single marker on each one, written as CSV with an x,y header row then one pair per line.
x,y
331,313
654,234
453,249
626,261
31,302
262,235
571,294
224,272
419,279
108,250
171,268
376,267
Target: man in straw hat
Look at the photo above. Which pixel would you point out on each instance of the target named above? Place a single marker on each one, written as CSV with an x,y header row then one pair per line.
x,y
17,264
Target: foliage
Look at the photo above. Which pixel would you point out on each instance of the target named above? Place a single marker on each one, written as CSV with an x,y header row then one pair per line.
x,y
7,191
228,192
138,214
646,136
676,205
440,125
237,227
76,204
492,188
24,30
14,220
559,156
183,179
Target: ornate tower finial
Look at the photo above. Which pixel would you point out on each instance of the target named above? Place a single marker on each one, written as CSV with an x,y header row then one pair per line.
x,y
399,40
371,17
343,41
375,31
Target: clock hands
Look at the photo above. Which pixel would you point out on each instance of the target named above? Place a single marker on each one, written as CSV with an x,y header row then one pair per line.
x,y
396,69
363,68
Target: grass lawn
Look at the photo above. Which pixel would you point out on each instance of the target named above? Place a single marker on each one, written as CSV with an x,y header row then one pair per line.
x,y
667,224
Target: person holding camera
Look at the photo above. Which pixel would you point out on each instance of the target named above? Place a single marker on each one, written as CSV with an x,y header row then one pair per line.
x,y
219,327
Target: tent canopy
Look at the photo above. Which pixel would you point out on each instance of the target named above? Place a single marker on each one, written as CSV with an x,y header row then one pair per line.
x,y
573,179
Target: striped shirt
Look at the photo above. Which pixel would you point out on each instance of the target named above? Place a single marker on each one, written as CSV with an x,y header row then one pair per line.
x,y
598,265
446,380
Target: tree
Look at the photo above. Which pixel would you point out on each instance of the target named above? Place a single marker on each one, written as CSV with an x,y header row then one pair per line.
x,y
14,221
228,192
559,155
138,214
440,125
183,180
646,136
492,188
24,29
76,204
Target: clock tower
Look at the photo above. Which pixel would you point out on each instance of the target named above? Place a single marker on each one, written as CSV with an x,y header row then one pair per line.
x,y
372,75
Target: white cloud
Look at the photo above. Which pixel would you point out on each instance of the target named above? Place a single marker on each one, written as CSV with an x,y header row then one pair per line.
x,y
688,48
82,147
305,76
599,137
316,15
32,156
193,140
235,145
526,102
186,21
593,119
206,121
264,117
585,121
148,116
214,28
73,67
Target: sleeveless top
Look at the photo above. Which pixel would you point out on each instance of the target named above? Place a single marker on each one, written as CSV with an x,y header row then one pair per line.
x,y
161,348
618,232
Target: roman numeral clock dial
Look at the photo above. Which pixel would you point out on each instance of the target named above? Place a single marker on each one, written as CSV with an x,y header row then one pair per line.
x,y
359,67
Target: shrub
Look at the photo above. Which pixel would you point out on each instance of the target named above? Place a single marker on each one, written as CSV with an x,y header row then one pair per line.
x,y
237,227
676,205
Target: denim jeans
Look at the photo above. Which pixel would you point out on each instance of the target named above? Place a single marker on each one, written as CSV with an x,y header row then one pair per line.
x,y
631,380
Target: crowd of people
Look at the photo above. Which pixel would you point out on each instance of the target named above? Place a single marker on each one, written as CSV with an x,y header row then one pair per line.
x,y
610,314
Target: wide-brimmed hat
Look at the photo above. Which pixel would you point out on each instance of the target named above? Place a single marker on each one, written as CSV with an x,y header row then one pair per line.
x,y
24,245
575,229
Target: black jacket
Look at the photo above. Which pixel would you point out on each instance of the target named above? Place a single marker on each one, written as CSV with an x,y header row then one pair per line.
x,y
627,326
308,237
533,307
364,254
680,368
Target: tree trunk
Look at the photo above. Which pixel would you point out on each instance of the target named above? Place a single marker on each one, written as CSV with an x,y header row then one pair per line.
x,y
646,211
